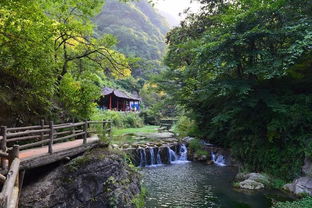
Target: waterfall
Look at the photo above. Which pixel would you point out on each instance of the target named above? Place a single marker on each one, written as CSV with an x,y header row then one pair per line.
x,y
172,155
158,158
155,159
183,153
152,156
218,159
180,158
142,158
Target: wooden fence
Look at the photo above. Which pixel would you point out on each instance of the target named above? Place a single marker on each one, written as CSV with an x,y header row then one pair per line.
x,y
12,140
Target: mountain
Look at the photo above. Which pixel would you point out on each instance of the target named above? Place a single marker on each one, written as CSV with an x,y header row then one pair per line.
x,y
139,28
172,21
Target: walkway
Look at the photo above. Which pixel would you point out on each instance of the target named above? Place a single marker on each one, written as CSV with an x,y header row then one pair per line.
x,y
40,151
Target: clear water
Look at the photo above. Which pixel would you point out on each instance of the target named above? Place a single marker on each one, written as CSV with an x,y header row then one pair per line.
x,y
197,185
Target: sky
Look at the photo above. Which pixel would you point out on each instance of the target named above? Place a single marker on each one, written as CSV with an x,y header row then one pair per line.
x,y
174,7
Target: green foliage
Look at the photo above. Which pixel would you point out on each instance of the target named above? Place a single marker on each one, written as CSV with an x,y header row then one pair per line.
x,y
50,62
139,200
303,203
185,126
277,183
197,147
242,68
119,119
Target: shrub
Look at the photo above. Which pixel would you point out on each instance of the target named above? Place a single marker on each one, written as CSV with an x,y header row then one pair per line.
x,y
119,119
185,127
303,203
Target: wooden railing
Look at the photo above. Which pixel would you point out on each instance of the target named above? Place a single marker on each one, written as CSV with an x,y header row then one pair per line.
x,y
12,140
11,186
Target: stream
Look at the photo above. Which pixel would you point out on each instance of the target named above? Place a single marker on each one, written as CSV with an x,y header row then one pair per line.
x,y
193,184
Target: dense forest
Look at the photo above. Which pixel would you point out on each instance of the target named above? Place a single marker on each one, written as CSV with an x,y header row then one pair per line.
x,y
59,73
242,69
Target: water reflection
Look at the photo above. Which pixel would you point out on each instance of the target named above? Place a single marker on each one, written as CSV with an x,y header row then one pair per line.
x,y
197,185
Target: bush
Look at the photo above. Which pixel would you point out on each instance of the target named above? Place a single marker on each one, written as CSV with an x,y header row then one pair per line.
x,y
303,203
185,127
119,119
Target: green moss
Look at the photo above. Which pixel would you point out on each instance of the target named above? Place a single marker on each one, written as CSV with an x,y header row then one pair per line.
x,y
75,164
139,200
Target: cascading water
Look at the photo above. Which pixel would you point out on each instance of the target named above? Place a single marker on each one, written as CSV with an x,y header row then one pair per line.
x,y
183,153
159,162
152,156
142,158
155,160
172,155
218,159
180,158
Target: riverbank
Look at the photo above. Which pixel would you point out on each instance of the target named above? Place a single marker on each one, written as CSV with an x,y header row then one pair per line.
x,y
100,178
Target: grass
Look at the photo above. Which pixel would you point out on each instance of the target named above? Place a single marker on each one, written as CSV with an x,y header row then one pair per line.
x,y
128,136
145,129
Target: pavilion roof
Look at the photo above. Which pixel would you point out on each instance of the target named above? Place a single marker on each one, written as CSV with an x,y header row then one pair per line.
x,y
120,94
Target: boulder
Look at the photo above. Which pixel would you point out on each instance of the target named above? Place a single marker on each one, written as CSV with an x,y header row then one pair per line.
x,y
251,185
252,181
258,178
98,179
202,158
300,186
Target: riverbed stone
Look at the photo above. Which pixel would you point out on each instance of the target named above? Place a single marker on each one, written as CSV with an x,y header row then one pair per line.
x,y
251,185
98,179
300,186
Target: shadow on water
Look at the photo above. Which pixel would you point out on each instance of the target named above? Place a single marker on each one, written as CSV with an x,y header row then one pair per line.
x,y
198,185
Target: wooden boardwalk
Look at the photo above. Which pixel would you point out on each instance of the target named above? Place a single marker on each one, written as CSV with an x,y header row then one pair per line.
x,y
24,148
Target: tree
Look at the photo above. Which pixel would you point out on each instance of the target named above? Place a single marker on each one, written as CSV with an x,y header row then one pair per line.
x,y
243,68
48,47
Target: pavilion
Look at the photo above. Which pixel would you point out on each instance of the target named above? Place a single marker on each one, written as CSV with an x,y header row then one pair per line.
x,y
118,100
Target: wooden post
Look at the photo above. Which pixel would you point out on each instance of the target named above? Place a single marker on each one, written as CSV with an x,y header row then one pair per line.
x,y
21,182
110,130
14,153
3,144
42,133
85,129
51,137
110,102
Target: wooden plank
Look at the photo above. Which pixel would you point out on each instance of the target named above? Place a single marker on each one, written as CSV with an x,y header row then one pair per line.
x,y
34,144
15,139
67,132
13,203
46,159
24,128
4,154
69,126
27,132
11,179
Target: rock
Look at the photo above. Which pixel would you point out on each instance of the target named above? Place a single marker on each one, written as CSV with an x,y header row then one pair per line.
x,y
209,162
98,179
202,158
251,185
187,139
307,168
300,186
115,146
252,181
258,178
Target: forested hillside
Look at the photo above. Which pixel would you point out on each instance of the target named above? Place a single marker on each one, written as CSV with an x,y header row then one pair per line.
x,y
242,69
140,31
51,66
